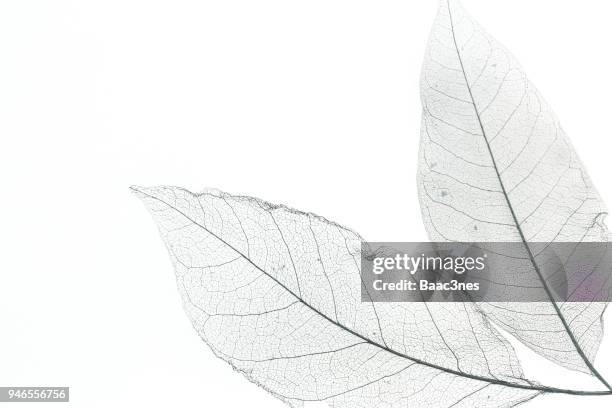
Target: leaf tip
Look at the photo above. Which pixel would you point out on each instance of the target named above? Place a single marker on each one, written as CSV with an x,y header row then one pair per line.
x,y
139,191
136,189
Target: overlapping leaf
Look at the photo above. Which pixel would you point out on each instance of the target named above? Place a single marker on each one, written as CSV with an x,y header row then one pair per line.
x,y
277,294
495,165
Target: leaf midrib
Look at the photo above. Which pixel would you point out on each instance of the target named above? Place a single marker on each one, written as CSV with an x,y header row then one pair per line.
x,y
515,218
366,339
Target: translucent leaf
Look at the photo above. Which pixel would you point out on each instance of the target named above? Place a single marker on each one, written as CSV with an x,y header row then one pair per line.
x,y
277,294
495,165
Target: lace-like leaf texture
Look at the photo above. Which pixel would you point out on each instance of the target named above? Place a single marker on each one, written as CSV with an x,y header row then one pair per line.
x,y
276,293
495,165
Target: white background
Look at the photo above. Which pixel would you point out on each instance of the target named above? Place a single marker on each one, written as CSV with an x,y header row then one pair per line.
x,y
314,104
